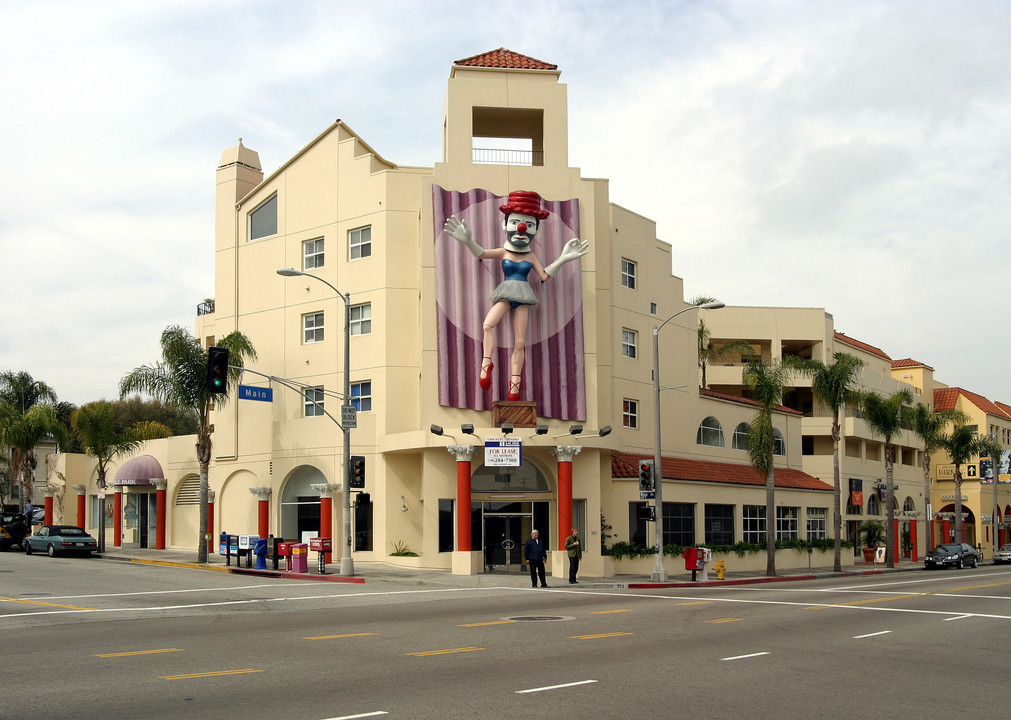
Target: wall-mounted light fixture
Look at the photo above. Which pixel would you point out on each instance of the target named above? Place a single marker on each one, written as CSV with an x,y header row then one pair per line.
x,y
403,504
507,428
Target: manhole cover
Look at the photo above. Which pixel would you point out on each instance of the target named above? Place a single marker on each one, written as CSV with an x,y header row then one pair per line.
x,y
537,618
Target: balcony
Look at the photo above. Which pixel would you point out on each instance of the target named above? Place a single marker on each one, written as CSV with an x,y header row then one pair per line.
x,y
205,308
496,156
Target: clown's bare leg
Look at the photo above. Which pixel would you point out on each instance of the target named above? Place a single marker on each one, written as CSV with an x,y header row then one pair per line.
x,y
520,317
491,321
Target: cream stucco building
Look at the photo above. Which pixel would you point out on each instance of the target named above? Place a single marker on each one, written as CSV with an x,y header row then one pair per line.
x,y
372,228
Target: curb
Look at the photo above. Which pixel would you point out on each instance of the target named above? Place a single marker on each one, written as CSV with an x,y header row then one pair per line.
x,y
762,579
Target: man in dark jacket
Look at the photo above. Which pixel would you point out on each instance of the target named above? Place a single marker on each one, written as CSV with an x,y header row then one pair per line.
x,y
536,553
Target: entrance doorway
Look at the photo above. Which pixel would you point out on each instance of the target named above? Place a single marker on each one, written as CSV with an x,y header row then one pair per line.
x,y
505,527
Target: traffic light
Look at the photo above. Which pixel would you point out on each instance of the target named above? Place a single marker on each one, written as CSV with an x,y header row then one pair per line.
x,y
647,480
357,472
217,370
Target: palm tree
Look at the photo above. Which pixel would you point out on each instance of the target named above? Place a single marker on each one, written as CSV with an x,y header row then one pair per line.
x,y
708,353
22,426
961,445
102,438
22,391
928,426
765,382
887,417
834,385
180,380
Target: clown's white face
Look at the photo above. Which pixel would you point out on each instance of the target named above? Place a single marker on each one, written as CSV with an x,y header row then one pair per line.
x,y
520,230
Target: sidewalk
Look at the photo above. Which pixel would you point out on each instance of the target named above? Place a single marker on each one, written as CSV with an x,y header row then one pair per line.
x,y
383,572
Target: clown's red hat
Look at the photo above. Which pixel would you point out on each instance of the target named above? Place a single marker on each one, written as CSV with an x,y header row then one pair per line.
x,y
526,202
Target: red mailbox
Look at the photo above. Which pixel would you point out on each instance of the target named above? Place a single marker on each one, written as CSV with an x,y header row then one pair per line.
x,y
284,549
694,558
321,544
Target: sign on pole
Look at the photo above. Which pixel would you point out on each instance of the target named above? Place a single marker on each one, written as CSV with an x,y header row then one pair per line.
x,y
251,392
349,416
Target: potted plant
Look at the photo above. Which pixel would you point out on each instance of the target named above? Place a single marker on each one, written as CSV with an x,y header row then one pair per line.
x,y
874,533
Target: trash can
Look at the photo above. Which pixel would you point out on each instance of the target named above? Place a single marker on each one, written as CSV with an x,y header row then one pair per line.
x,y
299,558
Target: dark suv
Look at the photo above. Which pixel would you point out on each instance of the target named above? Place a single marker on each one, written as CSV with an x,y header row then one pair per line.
x,y
952,555
12,530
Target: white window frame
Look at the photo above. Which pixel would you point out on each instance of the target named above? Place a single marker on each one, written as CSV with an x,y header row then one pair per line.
x,y
360,243
710,434
742,436
629,343
778,443
313,398
630,413
361,400
313,255
753,523
628,273
787,523
361,319
817,523
313,328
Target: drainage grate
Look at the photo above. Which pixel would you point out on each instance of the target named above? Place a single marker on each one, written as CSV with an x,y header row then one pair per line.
x,y
537,618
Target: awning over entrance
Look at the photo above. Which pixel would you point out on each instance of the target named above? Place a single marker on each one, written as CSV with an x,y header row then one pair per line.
x,y
141,470
624,465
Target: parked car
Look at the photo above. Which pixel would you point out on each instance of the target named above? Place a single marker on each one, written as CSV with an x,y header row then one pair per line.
x,y
1003,555
60,540
952,555
12,530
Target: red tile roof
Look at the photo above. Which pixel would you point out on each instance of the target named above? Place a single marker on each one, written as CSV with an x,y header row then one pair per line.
x,y
624,465
909,362
506,59
945,399
706,392
861,346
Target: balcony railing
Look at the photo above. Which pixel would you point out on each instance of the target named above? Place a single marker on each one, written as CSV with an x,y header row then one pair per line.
x,y
494,156
205,308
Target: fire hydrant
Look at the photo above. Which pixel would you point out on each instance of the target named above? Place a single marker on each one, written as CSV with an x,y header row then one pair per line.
x,y
720,569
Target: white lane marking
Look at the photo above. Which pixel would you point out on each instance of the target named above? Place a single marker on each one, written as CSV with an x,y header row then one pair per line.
x,y
744,657
960,617
875,634
360,715
555,687
177,592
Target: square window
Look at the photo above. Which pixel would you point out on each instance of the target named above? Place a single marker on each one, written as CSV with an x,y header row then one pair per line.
x,y
630,413
628,273
361,396
754,523
312,328
360,243
263,220
654,308
629,338
312,254
361,319
787,523
313,401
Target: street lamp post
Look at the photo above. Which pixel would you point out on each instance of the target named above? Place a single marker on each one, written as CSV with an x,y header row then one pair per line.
x,y
659,571
347,562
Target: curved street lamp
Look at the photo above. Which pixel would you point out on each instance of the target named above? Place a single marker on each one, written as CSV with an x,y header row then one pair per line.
x,y
659,571
347,563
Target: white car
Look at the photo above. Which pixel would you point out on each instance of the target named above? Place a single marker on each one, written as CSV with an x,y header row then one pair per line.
x,y
1003,555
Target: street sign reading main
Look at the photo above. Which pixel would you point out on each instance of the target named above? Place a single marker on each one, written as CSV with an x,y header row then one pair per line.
x,y
251,392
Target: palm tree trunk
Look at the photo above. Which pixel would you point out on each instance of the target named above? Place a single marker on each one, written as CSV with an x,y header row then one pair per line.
x,y
958,506
770,522
837,500
927,509
204,458
889,505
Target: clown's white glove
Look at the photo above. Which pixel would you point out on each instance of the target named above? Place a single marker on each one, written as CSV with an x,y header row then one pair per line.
x,y
572,250
459,230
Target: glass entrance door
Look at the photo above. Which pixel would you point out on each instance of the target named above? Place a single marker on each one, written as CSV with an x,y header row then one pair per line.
x,y
503,542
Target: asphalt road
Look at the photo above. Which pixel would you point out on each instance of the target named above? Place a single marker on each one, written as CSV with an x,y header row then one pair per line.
x,y
89,638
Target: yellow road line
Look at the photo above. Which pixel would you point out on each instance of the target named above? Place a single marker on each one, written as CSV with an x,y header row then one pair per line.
x,y
336,637
723,620
698,602
492,622
138,652
445,652
194,566
209,674
601,635
969,587
605,612
47,604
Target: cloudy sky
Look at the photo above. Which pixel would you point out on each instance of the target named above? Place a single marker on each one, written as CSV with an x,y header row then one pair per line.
x,y
847,155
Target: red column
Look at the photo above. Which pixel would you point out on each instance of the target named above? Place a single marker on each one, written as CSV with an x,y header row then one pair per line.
x,y
117,518
463,454
159,514
326,520
81,499
49,508
565,453
262,510
946,530
211,545
914,538
897,550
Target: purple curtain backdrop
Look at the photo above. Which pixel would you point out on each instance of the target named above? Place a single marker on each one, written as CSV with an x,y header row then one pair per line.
x,y
553,374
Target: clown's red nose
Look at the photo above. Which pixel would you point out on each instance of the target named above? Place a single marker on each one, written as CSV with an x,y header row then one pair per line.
x,y
521,228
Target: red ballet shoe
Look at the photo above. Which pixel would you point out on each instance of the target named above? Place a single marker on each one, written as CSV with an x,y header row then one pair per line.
x,y
484,379
514,387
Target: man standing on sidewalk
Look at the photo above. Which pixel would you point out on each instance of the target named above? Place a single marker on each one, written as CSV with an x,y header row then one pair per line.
x,y
575,551
536,554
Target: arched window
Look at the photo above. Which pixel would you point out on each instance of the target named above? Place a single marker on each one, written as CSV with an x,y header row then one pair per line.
x,y
908,505
710,433
526,477
778,443
741,433
873,504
